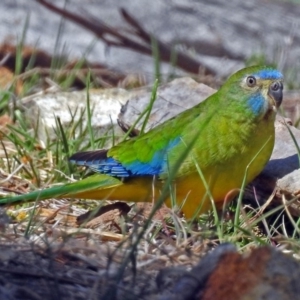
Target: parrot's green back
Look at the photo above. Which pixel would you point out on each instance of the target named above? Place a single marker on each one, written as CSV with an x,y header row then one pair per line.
x,y
231,131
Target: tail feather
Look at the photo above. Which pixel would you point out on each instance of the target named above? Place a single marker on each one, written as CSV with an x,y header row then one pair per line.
x,y
94,182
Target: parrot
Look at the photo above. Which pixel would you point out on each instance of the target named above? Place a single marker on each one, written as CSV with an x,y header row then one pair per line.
x,y
204,153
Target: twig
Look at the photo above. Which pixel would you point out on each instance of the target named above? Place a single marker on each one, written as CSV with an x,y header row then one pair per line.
x,y
113,37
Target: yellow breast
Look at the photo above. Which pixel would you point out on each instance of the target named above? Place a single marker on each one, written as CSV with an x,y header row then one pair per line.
x,y
225,179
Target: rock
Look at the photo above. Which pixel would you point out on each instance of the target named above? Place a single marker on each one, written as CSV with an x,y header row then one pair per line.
x,y
263,274
223,274
171,99
291,105
105,104
290,183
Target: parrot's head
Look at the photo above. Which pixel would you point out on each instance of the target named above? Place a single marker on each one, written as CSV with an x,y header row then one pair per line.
x,y
260,88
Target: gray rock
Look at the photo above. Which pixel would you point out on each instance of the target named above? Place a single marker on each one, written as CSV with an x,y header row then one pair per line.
x,y
171,99
43,109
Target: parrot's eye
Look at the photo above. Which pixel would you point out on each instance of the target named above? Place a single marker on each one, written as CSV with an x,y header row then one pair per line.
x,y
251,81
275,86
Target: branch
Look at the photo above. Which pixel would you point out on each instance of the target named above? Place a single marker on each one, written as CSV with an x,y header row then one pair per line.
x,y
118,39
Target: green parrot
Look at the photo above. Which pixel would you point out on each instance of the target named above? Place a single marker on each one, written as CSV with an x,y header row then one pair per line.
x,y
215,142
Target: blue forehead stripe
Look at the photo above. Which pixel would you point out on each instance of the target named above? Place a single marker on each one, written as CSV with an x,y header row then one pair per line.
x,y
269,74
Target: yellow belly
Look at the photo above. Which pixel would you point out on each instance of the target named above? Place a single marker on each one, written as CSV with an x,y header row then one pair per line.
x,y
224,180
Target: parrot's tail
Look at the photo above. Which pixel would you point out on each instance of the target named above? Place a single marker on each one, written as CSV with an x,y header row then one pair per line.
x,y
97,187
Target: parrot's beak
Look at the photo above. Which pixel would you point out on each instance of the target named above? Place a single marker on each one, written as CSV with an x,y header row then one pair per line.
x,y
275,92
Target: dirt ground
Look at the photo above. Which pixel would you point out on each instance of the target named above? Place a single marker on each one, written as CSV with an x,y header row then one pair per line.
x,y
52,259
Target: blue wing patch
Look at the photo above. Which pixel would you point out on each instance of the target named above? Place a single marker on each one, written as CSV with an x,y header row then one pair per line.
x,y
107,166
99,162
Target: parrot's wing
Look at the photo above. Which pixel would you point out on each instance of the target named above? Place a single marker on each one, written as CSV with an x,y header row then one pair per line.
x,y
147,155
98,161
